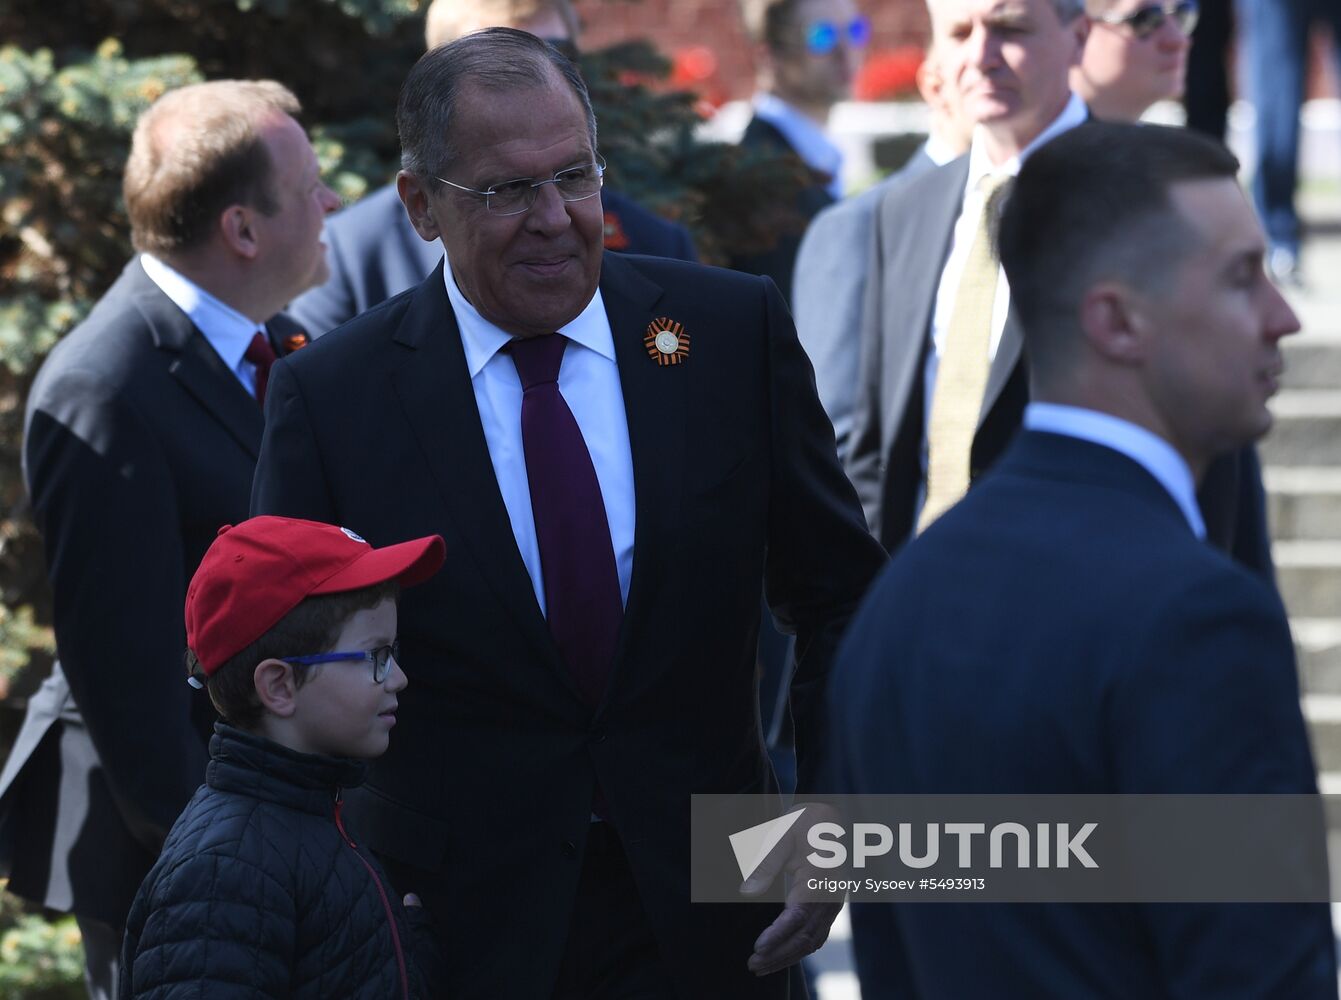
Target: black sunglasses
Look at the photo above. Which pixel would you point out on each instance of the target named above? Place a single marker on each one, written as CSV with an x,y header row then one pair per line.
x,y
1147,20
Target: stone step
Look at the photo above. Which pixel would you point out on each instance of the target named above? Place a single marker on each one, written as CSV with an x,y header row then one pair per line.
x,y
1303,502
1307,430
1313,359
1309,574
1317,645
1322,712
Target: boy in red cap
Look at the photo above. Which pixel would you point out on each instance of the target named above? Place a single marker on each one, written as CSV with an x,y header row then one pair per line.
x,y
260,891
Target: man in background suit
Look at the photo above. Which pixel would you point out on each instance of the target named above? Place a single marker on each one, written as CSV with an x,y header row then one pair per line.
x,y
1136,54
142,432
375,253
914,449
808,53
831,265
622,452
1065,629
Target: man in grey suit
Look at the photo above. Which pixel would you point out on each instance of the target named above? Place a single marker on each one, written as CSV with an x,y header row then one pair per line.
x,y
1018,92
830,279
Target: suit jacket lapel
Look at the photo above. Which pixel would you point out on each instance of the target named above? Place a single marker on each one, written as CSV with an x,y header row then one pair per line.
x,y
912,276
432,384
195,364
656,408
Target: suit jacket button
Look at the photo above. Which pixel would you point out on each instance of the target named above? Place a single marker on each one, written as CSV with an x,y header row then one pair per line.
x,y
569,849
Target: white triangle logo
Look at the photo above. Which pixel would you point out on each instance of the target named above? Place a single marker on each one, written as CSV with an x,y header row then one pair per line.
x,y
752,846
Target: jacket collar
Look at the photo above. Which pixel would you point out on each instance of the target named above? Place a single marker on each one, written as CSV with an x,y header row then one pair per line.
x,y
252,765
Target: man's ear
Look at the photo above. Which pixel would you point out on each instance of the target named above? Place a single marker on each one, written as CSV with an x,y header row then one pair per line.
x,y
276,687
1114,321
414,196
237,223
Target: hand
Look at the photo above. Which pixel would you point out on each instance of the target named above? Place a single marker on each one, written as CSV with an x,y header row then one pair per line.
x,y
803,925
412,900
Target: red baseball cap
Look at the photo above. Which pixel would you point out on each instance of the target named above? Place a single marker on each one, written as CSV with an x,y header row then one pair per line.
x,y
258,571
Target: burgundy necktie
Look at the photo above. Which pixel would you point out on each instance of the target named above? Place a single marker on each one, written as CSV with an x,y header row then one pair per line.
x,y
582,596
262,355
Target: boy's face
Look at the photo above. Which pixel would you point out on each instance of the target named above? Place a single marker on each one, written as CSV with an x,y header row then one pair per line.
x,y
340,711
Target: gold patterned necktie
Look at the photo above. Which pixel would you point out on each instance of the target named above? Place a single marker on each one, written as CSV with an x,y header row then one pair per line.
x,y
961,375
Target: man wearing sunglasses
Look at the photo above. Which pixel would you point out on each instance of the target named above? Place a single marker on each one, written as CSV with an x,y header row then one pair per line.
x,y
1136,54
808,53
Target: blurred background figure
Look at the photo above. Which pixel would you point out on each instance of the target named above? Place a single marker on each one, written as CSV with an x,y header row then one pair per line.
x,y
808,54
1136,54
1275,37
831,265
375,252
1206,95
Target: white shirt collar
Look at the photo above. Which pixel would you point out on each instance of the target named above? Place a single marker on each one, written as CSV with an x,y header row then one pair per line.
x,y
980,166
810,141
1149,450
938,151
482,339
226,329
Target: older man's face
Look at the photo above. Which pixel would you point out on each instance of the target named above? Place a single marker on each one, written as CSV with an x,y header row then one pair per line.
x,y
1009,60
528,274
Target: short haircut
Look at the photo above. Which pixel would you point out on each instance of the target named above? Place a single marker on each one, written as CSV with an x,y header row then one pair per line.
x,y
311,627
448,20
1067,10
196,151
496,60
1094,204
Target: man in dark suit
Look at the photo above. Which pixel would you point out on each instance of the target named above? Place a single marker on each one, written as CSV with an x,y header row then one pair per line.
x,y
1064,629
808,52
142,431
831,265
913,454
374,251
618,493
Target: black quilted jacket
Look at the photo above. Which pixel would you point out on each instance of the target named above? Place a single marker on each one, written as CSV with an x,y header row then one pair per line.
x,y
260,893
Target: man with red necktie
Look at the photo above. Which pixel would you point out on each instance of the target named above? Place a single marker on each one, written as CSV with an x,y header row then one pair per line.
x,y
141,436
620,451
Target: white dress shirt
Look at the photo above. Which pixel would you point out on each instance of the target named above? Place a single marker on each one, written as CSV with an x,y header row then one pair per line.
x,y
966,226
590,385
810,142
1148,450
226,329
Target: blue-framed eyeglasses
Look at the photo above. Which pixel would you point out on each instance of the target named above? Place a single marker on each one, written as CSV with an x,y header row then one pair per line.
x,y
380,658
822,37
1145,21
517,196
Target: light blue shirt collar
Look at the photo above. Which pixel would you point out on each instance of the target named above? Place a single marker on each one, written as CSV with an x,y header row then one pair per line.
x,y
1150,451
482,339
226,329
810,141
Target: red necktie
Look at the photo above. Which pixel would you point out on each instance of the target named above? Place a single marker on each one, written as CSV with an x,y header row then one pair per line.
x,y
262,355
582,596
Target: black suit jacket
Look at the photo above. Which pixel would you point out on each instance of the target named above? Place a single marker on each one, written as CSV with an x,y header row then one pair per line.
x,y
488,782
913,232
374,253
1107,652
779,261
139,443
